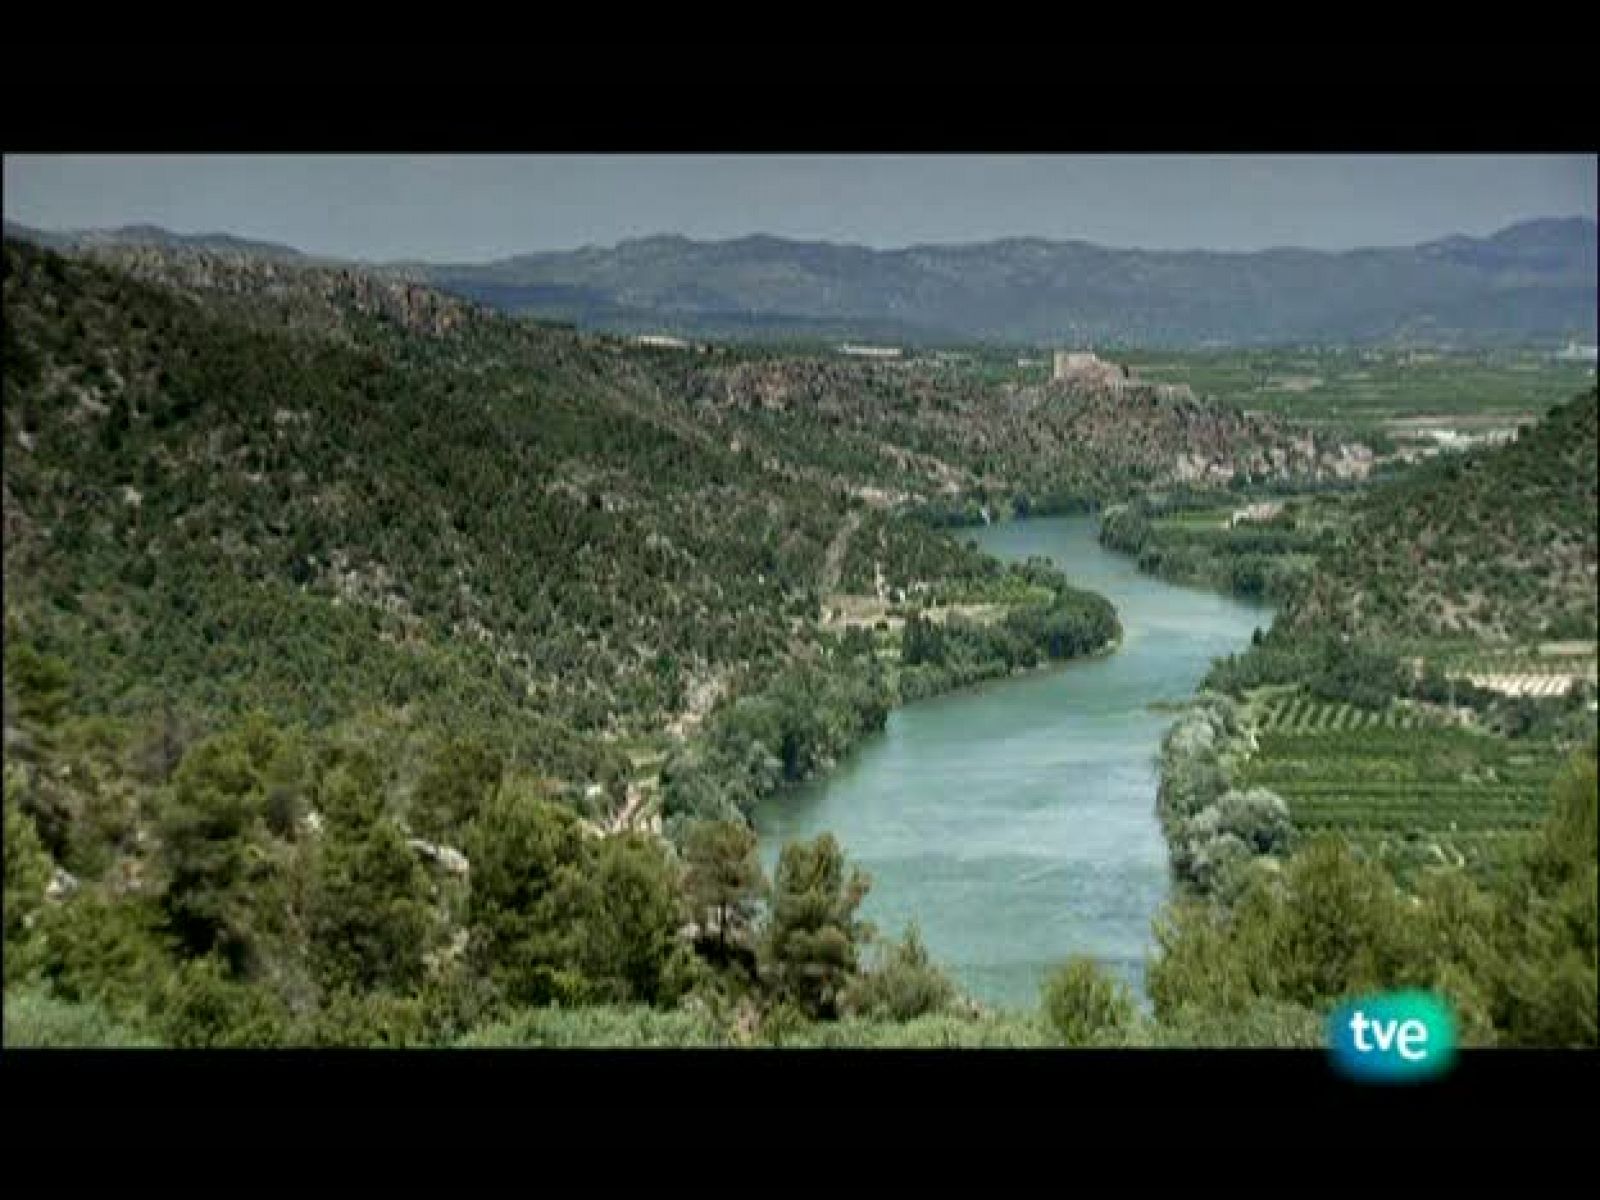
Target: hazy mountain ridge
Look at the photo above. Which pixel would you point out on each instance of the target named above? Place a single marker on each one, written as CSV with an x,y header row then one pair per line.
x,y
1532,282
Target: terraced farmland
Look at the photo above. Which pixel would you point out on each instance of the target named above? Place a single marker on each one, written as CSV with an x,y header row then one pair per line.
x,y
1304,714
1410,794
1550,670
1542,685
1563,657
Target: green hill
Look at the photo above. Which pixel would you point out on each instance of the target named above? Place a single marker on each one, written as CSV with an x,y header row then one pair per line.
x,y
233,483
491,524
356,638
1496,544
619,577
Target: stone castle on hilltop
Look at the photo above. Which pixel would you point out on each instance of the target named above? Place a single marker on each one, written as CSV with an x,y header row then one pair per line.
x,y
1085,368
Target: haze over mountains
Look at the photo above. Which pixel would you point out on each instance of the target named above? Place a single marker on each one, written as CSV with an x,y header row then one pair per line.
x,y
1530,283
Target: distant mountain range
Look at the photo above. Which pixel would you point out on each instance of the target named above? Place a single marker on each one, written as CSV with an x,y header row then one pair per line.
x,y
1531,283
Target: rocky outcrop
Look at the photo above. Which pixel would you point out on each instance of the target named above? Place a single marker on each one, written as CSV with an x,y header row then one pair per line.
x,y
1094,429
439,961
306,295
62,884
448,859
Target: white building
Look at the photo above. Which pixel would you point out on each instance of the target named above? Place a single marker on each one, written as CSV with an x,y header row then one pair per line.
x,y
662,341
1267,510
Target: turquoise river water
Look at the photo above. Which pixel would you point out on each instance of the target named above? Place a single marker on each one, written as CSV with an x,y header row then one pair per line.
x,y
1015,822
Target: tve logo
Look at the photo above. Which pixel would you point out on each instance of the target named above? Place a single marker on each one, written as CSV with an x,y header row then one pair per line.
x,y
1400,1037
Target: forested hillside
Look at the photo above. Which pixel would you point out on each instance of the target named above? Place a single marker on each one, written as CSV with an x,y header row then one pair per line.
x,y
1420,721
940,434
484,524
351,629
348,628
1497,544
236,483
1349,829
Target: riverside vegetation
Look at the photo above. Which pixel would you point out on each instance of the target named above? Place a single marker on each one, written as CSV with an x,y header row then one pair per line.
x,y
382,671
1354,804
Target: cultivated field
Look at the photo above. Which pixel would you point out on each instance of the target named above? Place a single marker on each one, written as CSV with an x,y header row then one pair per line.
x,y
1370,384
1404,784
1551,669
1304,714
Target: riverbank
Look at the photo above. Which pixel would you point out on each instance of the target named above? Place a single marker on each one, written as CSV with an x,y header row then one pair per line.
x,y
796,723
1015,822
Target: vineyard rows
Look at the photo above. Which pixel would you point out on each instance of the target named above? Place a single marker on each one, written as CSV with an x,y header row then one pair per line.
x,y
1542,685
1582,666
1303,714
1343,770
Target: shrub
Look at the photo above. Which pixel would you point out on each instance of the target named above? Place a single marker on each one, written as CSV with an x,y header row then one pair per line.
x,y
1082,1002
1263,1023
35,1017
207,1009
626,1028
107,951
27,872
810,952
370,1019
904,984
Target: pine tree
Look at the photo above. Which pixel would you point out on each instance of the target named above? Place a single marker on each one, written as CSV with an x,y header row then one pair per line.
x,y
633,914
811,948
372,914
724,882
526,907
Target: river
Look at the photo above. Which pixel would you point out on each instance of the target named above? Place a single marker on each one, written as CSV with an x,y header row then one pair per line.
x,y
1014,822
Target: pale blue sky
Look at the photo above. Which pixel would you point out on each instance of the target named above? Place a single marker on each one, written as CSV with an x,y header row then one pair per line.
x,y
468,208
